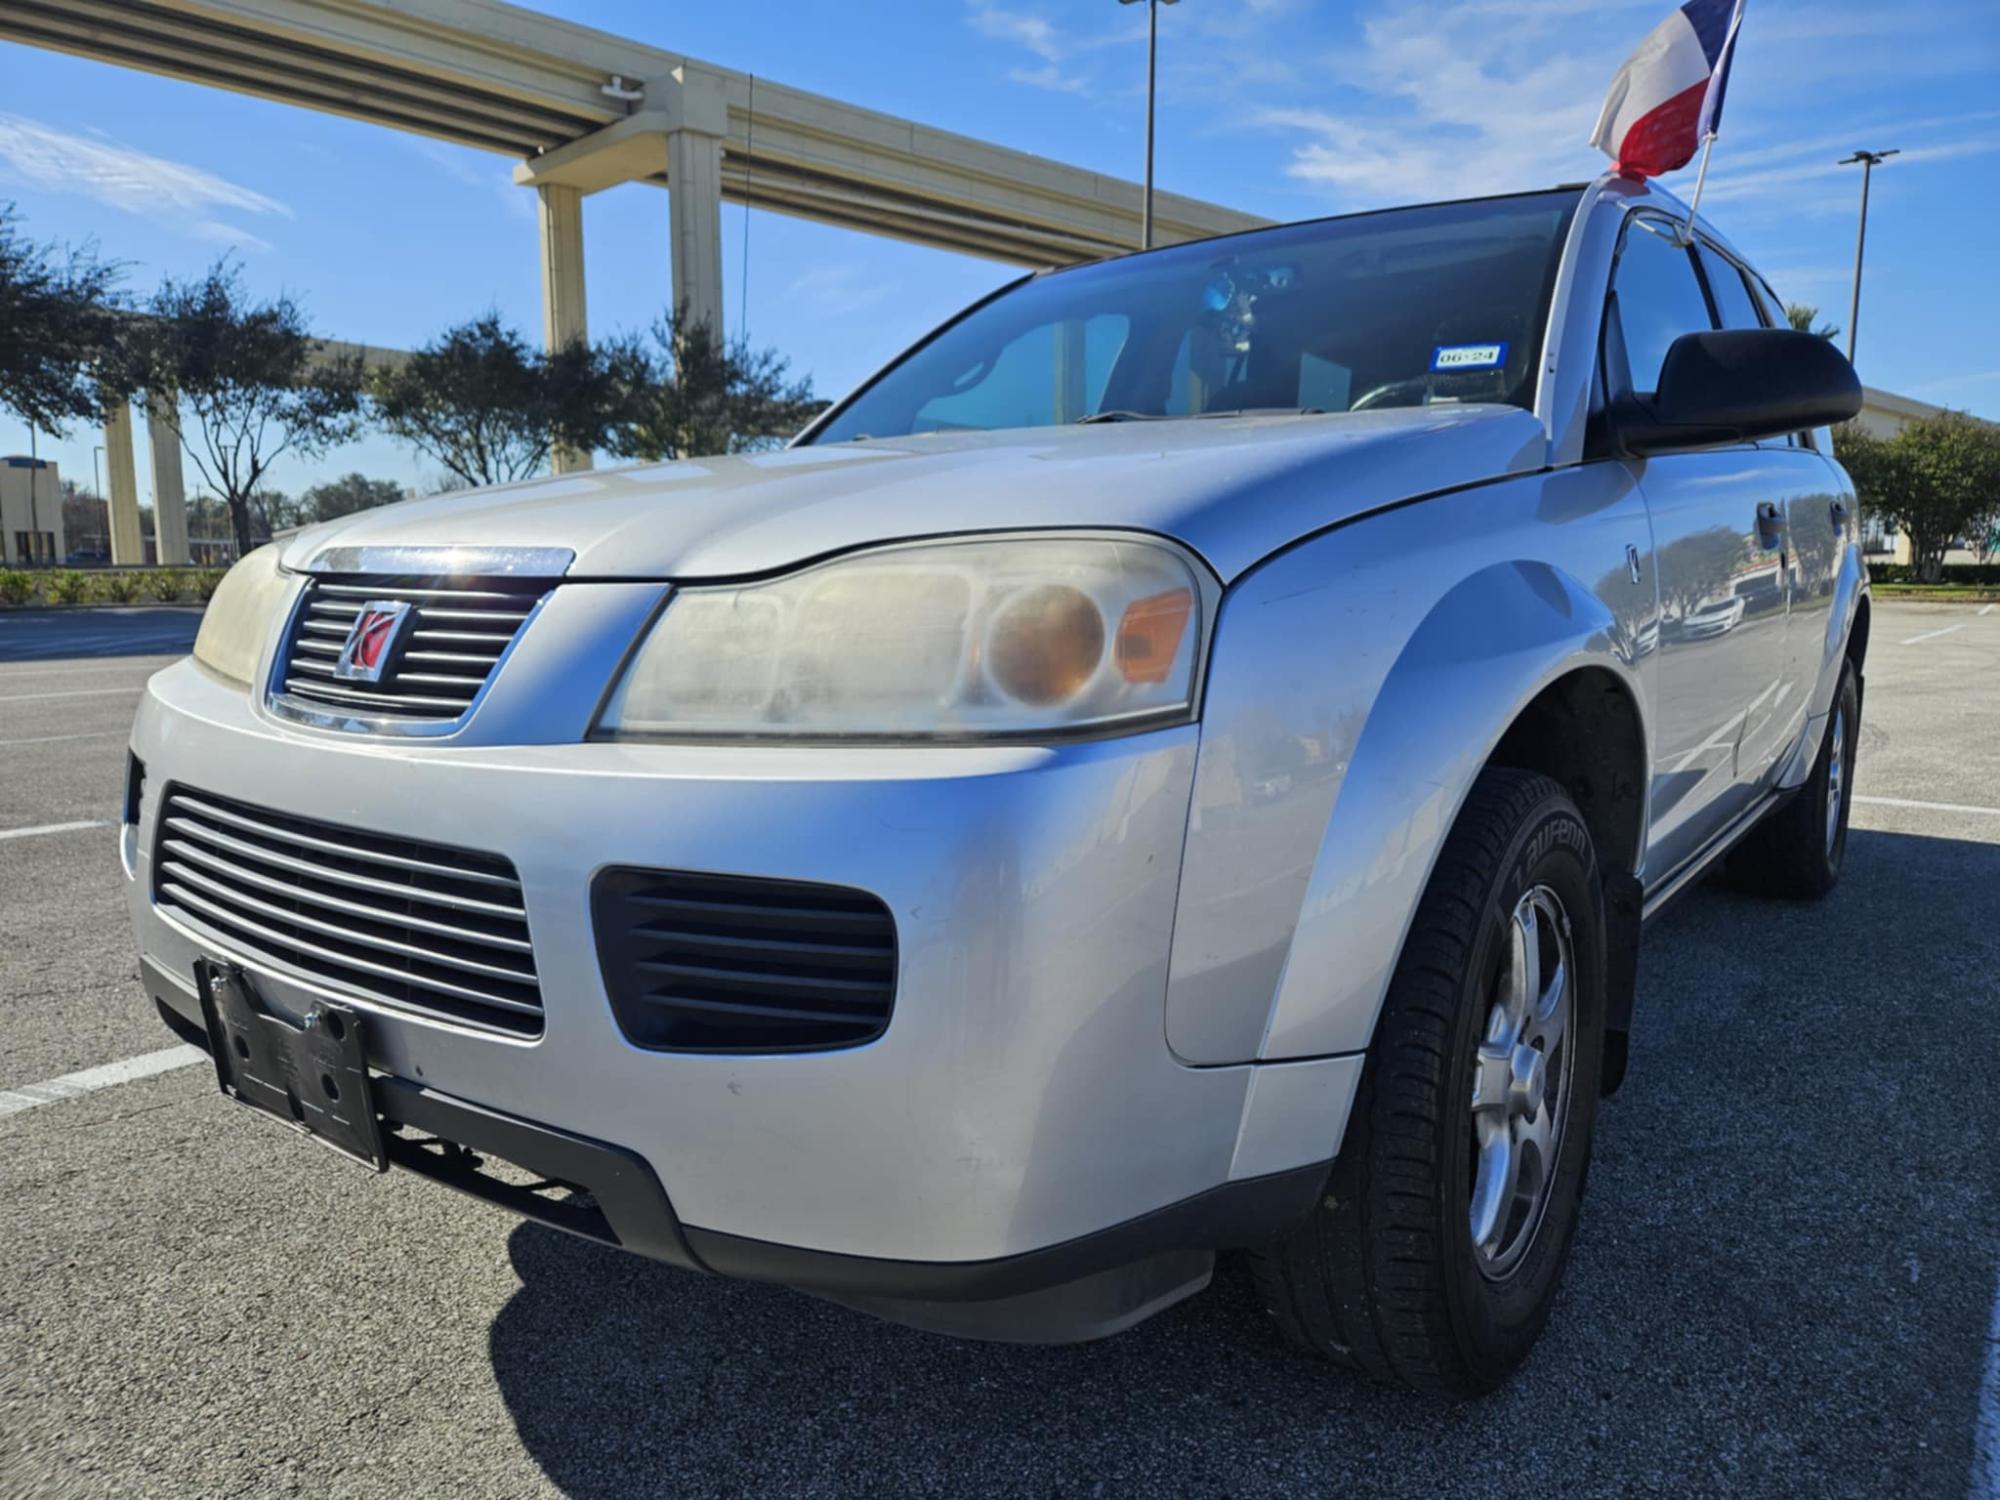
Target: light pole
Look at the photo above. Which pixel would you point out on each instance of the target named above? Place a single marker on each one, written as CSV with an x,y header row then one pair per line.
x,y
1869,161
1152,52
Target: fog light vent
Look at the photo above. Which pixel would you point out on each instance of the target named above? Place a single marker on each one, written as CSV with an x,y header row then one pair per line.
x,y
726,963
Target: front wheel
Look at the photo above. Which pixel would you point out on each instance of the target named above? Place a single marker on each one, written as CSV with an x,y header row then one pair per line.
x,y
1435,1251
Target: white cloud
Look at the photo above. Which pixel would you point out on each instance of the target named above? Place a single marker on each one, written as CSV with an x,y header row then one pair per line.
x,y
1051,78
475,169
216,232
1441,98
1052,44
1952,383
167,192
1034,32
836,290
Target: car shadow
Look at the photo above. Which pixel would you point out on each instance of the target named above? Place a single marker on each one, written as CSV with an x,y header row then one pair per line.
x,y
65,634
1781,1286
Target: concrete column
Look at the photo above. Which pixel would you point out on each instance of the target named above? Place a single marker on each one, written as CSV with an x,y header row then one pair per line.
x,y
698,106
170,522
1069,370
559,217
694,184
128,543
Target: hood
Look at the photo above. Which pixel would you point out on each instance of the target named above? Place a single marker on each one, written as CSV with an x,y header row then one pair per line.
x,y
1234,489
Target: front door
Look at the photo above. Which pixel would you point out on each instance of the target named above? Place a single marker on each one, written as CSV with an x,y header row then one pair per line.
x,y
1719,550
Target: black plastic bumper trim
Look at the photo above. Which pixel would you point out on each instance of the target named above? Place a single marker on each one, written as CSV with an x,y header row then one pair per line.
x,y
1227,1216
637,1215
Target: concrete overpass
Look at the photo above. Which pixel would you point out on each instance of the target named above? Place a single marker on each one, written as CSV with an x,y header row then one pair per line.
x,y
580,110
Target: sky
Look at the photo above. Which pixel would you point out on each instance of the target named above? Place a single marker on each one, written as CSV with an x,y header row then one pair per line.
x,y
1286,108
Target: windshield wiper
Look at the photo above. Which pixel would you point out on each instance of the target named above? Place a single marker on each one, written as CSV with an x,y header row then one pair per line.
x,y
1202,416
1263,411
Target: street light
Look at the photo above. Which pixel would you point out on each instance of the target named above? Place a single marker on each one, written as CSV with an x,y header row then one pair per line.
x,y
1869,161
1152,49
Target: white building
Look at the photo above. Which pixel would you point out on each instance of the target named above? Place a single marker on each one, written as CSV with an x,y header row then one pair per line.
x,y
31,518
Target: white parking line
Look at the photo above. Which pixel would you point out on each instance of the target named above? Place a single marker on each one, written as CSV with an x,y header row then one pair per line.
x,y
124,692
1931,635
1989,609
1951,807
50,739
28,833
10,670
71,1085
1986,1434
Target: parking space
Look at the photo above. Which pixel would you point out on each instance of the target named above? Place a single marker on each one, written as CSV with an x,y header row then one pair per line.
x,y
1784,1284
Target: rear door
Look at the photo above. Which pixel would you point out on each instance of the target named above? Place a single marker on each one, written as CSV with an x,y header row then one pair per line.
x,y
1820,526
1718,543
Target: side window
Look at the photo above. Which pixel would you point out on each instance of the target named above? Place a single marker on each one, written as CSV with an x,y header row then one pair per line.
x,y
1659,299
1733,303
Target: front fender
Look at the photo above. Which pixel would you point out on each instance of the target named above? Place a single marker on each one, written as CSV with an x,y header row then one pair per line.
x,y
1359,684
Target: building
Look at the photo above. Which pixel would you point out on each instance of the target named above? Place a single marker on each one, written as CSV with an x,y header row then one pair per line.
x,y
31,512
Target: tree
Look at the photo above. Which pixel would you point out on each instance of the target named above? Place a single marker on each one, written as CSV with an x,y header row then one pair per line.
x,y
253,379
700,395
348,494
1801,314
489,408
86,519
61,357
1935,481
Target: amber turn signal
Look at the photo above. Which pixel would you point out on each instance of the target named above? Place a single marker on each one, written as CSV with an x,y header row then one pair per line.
x,y
1149,636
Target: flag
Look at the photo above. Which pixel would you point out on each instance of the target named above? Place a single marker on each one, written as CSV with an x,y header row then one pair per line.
x,y
1668,96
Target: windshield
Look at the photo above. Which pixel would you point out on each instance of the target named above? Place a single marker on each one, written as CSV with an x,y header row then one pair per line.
x,y
1408,307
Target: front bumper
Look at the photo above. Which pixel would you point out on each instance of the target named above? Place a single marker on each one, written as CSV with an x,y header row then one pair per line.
x,y
1023,1096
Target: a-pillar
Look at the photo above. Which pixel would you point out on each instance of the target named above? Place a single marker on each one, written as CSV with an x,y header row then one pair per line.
x,y
170,523
128,543
699,109
559,212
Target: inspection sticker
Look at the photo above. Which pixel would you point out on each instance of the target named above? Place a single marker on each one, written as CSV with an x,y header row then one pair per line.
x,y
1469,356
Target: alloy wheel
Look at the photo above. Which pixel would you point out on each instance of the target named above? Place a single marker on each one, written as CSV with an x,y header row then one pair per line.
x,y
1521,1083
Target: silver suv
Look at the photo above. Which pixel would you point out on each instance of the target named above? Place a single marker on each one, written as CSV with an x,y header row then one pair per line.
x,y
1179,761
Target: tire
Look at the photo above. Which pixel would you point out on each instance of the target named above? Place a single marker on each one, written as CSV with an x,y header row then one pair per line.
x,y
1795,854
1384,1276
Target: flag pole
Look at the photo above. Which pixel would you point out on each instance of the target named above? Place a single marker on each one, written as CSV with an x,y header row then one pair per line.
x,y
1700,177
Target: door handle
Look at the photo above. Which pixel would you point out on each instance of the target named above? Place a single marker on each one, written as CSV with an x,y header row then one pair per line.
x,y
1770,524
1836,511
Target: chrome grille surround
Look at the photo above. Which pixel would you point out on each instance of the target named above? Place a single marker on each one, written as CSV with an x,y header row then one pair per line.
x,y
460,632
408,924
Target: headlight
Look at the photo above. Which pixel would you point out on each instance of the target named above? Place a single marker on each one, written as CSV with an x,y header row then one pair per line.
x,y
1019,637
239,616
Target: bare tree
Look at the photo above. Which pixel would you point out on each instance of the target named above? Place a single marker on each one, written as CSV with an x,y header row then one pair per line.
x,y
250,381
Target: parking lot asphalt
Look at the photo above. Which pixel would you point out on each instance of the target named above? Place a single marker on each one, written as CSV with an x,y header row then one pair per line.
x,y
1784,1283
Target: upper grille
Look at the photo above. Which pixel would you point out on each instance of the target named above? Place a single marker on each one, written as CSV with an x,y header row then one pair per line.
x,y
724,963
459,629
407,923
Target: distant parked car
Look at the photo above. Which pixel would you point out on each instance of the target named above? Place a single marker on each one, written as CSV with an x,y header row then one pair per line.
x,y
1180,760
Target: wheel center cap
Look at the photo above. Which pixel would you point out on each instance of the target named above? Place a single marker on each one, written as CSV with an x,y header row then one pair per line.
x,y
1528,1070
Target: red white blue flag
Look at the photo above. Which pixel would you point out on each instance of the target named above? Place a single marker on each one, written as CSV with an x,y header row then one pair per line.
x,y
1668,96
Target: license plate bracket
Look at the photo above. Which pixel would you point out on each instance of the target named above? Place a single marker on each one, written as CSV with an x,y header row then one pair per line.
x,y
312,1076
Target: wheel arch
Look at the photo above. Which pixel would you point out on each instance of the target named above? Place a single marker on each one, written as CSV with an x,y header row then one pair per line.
x,y
1510,666
1585,731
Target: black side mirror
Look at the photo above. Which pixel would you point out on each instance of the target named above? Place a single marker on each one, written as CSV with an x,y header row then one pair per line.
x,y
1736,385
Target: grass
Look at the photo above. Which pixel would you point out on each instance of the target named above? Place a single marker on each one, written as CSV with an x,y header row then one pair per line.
x,y
1943,593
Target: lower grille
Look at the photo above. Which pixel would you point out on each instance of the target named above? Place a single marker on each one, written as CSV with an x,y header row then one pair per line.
x,y
725,963
416,925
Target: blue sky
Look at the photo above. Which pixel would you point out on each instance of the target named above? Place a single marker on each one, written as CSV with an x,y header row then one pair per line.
x,y
1287,108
